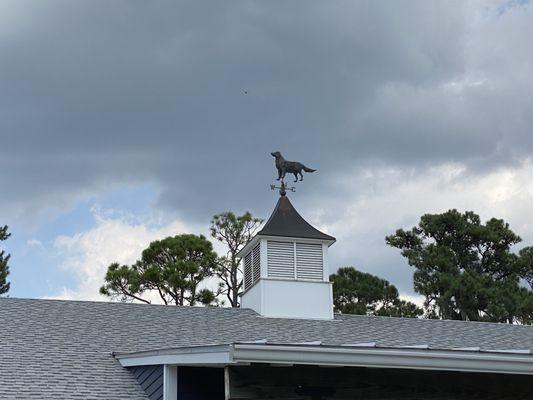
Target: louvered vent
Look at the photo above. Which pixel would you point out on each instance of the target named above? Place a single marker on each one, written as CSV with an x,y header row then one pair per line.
x,y
309,261
280,259
248,279
256,262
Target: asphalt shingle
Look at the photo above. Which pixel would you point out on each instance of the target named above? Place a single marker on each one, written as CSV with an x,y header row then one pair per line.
x,y
51,349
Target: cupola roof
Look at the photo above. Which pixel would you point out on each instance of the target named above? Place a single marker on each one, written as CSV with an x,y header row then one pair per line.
x,y
285,221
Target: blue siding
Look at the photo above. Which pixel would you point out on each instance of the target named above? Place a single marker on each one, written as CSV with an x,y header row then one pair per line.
x,y
150,378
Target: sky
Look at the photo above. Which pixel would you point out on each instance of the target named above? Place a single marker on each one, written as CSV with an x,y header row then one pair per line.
x,y
128,121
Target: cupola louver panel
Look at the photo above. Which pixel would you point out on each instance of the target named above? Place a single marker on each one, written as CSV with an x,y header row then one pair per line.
x,y
280,259
257,262
248,270
309,261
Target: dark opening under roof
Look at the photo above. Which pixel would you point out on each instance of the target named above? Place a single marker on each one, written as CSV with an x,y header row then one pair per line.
x,y
285,221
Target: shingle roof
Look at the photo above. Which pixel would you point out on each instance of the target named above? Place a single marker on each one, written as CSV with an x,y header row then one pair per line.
x,y
285,221
51,349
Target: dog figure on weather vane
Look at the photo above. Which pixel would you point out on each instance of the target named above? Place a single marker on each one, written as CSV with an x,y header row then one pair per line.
x,y
292,167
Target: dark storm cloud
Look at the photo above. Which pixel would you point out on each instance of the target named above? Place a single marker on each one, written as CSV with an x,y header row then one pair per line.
x,y
98,94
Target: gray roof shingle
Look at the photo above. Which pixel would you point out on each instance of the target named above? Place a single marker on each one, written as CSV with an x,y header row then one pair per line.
x,y
51,349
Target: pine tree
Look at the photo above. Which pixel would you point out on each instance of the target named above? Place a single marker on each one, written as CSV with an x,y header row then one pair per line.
x,y
356,292
4,258
173,267
235,232
466,269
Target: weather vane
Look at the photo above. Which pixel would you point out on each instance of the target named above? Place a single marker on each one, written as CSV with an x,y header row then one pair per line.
x,y
292,167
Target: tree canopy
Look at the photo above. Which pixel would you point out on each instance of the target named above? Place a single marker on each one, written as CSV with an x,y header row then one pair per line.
x,y
235,232
356,292
4,259
525,265
466,270
173,268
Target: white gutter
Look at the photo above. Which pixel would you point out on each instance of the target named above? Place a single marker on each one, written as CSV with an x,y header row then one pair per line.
x,y
445,360
340,356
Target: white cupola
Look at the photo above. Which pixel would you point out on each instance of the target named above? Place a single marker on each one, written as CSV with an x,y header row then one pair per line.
x,y
285,267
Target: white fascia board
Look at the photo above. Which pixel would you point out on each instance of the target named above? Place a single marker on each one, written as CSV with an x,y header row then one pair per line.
x,y
336,356
248,246
296,239
385,358
251,244
198,355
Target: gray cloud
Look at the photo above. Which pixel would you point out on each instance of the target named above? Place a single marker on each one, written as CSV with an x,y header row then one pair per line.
x,y
101,94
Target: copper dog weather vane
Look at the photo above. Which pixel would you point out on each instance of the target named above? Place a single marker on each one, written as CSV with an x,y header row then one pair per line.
x,y
288,167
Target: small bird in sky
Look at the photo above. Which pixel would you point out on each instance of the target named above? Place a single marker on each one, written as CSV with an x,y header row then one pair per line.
x,y
245,91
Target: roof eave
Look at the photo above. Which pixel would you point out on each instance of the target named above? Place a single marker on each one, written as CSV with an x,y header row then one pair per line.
x,y
340,356
248,246
197,355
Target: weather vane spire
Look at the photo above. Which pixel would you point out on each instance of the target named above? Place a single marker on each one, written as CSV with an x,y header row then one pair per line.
x,y
292,167
283,188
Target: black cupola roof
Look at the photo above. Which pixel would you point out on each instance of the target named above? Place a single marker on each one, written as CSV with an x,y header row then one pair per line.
x,y
285,221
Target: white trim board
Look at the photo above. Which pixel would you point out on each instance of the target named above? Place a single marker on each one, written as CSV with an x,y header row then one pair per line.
x,y
197,355
341,356
251,244
170,382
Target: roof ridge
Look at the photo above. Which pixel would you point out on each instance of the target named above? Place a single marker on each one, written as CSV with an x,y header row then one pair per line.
x,y
448,321
121,303
338,316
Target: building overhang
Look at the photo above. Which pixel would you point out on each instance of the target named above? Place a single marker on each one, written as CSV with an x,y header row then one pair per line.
x,y
358,355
